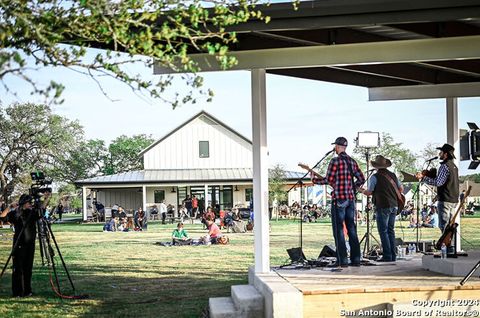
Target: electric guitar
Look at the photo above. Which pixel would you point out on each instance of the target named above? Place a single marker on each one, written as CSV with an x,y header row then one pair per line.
x,y
306,167
451,227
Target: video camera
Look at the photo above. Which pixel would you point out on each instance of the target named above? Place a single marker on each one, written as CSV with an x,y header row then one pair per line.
x,y
39,186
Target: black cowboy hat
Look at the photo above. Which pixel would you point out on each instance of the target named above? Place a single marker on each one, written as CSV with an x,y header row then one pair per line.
x,y
381,162
447,149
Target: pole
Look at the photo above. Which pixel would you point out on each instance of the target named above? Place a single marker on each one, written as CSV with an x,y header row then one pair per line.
x,y
301,216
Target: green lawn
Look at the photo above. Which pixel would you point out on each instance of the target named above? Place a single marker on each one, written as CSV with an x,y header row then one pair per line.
x,y
127,275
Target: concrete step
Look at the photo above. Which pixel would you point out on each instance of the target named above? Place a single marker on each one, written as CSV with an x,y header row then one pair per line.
x,y
247,298
222,307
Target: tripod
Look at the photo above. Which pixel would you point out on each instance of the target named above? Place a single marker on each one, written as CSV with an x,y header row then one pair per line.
x,y
47,252
368,234
467,277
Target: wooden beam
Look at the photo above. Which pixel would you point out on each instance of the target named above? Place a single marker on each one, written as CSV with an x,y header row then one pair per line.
x,y
471,89
407,51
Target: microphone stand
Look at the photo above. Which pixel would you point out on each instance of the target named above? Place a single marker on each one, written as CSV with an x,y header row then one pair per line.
x,y
300,182
417,193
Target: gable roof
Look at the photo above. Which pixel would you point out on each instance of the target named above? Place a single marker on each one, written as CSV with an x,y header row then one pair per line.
x,y
201,113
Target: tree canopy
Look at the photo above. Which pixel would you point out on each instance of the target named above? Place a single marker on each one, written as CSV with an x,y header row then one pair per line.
x,y
32,138
123,153
403,159
37,34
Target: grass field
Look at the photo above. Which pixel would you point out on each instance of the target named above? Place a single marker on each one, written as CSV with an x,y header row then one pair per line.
x,y
127,275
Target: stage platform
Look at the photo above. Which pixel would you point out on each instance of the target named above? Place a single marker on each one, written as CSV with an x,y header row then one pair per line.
x,y
401,289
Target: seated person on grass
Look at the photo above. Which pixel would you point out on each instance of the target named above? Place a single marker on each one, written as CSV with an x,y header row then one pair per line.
x,y
180,236
140,219
213,231
111,226
432,218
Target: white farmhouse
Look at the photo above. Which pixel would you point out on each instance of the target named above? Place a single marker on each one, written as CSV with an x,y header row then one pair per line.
x,y
202,157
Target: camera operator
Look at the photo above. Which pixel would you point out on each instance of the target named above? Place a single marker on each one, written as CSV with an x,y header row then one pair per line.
x,y
24,218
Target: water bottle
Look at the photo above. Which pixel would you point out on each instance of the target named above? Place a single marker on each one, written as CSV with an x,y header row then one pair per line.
x,y
444,250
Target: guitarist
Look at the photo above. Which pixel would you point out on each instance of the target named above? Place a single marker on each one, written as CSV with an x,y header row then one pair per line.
x,y
340,174
387,191
446,182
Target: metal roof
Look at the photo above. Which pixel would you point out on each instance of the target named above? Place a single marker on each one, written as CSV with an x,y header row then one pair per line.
x,y
171,176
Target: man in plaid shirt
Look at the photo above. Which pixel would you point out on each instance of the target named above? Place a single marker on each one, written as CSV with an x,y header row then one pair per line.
x,y
341,170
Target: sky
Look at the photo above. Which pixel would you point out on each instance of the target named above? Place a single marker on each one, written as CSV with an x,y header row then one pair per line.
x,y
304,116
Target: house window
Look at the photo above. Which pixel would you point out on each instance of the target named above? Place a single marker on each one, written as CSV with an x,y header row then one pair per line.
x,y
248,194
159,195
204,151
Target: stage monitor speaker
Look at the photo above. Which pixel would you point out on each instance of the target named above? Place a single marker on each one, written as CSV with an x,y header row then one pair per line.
x,y
328,251
296,255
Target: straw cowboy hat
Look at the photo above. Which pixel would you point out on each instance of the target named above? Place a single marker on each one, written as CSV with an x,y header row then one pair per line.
x,y
380,162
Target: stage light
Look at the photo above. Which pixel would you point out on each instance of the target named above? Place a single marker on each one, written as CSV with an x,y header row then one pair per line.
x,y
368,139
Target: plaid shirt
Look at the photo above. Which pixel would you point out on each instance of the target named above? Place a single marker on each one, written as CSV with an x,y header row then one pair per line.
x,y
339,177
441,177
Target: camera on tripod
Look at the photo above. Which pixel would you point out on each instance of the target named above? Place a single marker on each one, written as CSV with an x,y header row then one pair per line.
x,y
39,186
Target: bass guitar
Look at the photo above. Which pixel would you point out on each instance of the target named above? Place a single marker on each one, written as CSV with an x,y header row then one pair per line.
x,y
451,227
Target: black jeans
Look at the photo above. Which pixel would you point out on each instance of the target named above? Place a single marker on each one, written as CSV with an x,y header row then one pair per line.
x,y
22,269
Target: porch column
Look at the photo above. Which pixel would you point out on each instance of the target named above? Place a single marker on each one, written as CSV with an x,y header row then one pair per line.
x,y
144,198
84,203
453,139
260,171
206,196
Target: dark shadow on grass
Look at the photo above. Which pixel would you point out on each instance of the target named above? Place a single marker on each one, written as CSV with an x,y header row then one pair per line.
x,y
151,291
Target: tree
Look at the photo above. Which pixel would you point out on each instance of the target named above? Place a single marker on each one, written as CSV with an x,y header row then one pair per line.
x,y
87,160
276,185
32,138
38,34
123,153
430,151
402,158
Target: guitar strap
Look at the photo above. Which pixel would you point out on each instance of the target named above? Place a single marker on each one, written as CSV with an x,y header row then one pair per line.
x,y
354,189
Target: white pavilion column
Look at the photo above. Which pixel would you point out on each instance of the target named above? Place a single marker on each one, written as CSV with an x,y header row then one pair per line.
x,y
453,139
144,198
84,203
260,171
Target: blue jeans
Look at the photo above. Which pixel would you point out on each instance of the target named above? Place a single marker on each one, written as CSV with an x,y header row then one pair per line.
x,y
344,211
445,212
386,229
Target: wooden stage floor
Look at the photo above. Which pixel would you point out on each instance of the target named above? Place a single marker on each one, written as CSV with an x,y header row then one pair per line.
x,y
330,293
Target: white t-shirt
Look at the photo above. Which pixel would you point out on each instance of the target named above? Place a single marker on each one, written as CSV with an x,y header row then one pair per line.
x,y
163,208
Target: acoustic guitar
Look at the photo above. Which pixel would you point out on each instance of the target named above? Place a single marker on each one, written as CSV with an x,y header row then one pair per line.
x,y
451,227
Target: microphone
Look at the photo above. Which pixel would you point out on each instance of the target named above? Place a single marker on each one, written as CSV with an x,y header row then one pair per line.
x,y
431,159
